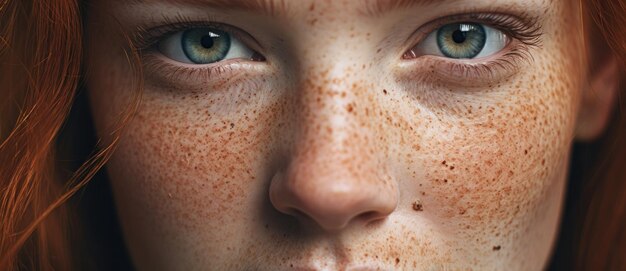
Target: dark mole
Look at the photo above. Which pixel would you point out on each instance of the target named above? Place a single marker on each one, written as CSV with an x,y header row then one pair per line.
x,y
350,108
385,91
232,125
496,248
444,162
417,206
397,260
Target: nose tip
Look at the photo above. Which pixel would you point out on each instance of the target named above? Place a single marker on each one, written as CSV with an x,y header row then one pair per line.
x,y
331,203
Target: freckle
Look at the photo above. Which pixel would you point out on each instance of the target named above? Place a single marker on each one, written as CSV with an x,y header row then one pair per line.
x,y
496,248
452,167
417,205
397,260
416,147
543,162
444,162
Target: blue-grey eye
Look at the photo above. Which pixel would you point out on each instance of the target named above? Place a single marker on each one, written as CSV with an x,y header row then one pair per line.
x,y
203,46
462,41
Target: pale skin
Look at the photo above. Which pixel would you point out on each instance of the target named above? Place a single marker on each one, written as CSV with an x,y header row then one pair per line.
x,y
334,151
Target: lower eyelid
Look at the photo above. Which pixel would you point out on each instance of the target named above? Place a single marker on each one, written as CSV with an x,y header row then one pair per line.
x,y
468,72
163,73
169,74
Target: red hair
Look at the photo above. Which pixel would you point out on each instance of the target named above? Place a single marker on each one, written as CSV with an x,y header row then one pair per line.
x,y
40,63
40,83
40,59
600,239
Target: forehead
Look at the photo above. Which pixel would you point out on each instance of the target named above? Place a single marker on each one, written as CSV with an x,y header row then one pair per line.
x,y
362,7
283,6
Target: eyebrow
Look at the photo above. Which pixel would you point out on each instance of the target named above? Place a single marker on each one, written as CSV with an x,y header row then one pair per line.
x,y
279,7
378,7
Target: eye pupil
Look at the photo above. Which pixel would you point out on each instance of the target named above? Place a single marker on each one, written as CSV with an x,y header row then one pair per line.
x,y
458,36
207,41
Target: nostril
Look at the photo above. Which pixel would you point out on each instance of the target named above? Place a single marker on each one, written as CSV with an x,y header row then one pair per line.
x,y
370,217
367,216
300,215
297,213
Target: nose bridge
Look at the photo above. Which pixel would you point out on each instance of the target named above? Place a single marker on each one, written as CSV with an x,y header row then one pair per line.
x,y
332,134
331,88
334,175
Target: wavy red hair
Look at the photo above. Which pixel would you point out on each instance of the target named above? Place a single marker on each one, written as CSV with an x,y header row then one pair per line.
x,y
40,72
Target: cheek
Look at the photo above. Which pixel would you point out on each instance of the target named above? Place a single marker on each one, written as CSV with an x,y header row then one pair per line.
x,y
194,152
484,166
490,166
186,165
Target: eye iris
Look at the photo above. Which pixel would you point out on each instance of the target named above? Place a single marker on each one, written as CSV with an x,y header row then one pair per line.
x,y
461,40
204,45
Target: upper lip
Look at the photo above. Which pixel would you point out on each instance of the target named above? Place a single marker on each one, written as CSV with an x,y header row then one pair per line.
x,y
351,267
365,268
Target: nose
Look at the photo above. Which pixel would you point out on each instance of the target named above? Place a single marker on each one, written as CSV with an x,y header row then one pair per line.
x,y
335,176
329,198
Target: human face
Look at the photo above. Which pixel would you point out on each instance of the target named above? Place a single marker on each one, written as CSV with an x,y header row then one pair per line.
x,y
340,136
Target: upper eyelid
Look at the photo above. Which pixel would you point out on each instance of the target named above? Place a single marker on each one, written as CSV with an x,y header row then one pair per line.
x,y
525,28
145,38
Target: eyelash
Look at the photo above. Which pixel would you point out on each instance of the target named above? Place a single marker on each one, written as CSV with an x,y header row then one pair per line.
x,y
524,31
146,39
147,36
